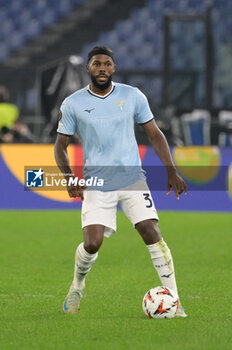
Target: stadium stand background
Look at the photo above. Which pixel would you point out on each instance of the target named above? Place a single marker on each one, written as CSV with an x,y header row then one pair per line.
x,y
36,33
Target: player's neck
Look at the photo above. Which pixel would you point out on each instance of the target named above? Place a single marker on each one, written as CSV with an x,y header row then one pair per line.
x,y
97,91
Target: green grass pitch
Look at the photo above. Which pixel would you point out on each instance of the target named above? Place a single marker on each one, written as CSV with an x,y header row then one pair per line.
x,y
36,263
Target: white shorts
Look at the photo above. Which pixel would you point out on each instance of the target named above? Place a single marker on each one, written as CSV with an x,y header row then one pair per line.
x,y
100,207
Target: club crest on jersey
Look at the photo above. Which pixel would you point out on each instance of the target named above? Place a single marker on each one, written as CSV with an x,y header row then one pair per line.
x,y
120,103
59,116
34,178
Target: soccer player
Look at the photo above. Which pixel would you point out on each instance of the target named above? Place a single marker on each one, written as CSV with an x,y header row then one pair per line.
x,y
103,115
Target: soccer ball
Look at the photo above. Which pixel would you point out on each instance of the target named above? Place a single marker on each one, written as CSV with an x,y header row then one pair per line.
x,y
160,302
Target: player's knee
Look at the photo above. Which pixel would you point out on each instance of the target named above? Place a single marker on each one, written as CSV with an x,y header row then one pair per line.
x,y
93,238
147,226
149,230
92,246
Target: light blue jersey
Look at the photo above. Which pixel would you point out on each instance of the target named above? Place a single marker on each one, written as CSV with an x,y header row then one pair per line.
x,y
105,126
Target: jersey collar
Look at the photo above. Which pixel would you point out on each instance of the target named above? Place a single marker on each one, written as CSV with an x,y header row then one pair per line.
x,y
100,96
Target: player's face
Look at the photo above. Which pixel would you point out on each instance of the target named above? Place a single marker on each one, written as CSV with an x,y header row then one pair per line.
x,y
101,69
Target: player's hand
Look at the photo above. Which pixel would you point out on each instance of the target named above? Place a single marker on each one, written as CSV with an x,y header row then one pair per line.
x,y
176,182
75,190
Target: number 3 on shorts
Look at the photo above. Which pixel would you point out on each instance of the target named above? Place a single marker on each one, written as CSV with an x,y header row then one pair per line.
x,y
147,198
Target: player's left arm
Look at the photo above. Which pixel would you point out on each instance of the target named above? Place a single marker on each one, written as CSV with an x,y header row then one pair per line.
x,y
161,148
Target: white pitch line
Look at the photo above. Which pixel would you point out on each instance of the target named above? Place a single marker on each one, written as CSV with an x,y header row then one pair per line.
x,y
28,295
52,296
197,297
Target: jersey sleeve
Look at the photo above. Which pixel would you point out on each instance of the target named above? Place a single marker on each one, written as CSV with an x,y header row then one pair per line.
x,y
143,113
67,119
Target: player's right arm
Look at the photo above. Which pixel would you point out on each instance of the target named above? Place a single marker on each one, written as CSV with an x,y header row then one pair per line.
x,y
66,128
62,160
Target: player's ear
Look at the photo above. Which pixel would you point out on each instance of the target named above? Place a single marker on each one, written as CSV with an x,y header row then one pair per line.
x,y
114,67
87,67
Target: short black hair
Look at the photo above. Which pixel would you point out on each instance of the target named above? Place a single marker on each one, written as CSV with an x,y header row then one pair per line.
x,y
4,94
100,50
